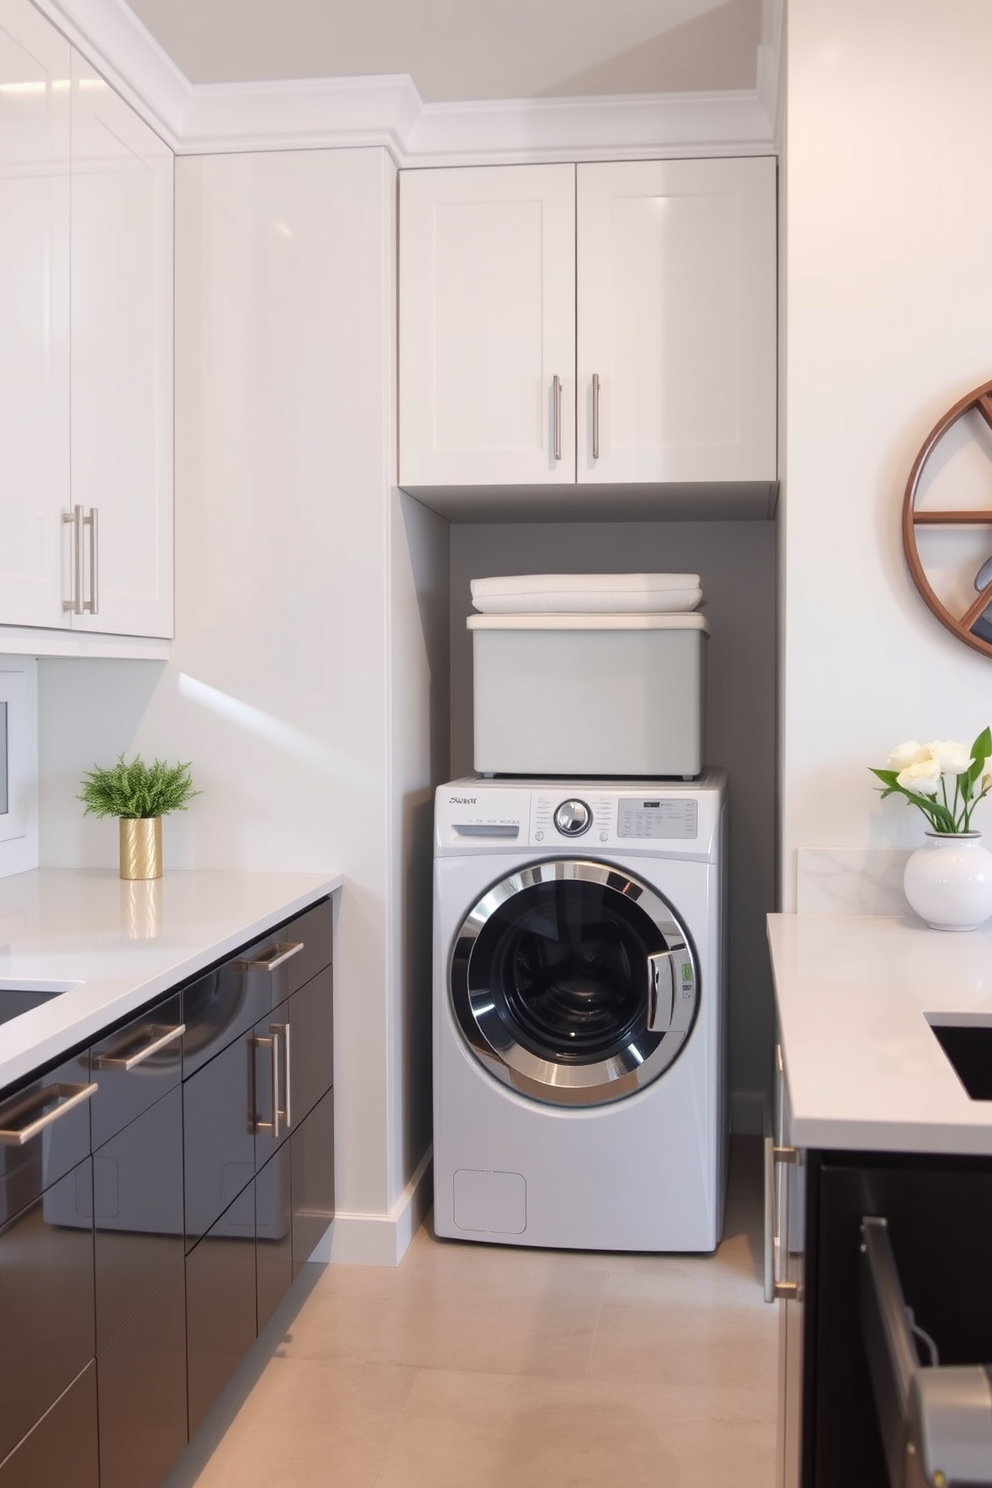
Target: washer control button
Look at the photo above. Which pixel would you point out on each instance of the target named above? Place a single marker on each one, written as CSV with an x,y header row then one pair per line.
x,y
572,818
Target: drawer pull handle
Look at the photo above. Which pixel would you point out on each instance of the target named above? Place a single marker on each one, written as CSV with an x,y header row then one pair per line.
x,y
64,1096
778,1287
274,956
277,1043
161,1037
287,1110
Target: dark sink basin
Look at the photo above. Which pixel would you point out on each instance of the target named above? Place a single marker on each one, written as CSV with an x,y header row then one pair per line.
x,y
15,1001
969,1048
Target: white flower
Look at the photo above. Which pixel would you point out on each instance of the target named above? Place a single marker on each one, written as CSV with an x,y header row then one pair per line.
x,y
950,758
906,754
922,776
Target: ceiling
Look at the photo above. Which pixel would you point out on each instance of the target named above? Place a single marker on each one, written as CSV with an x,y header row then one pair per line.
x,y
463,50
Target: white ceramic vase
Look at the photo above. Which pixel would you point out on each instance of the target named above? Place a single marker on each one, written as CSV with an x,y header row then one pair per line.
x,y
948,882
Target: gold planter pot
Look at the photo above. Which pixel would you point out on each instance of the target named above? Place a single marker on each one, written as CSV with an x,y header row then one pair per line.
x,y
141,847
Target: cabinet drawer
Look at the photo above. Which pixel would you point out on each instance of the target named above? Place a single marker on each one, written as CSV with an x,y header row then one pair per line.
x,y
313,1181
142,1391
293,1063
134,1066
138,1213
62,1448
225,1003
292,953
44,1131
218,1137
46,1302
220,1304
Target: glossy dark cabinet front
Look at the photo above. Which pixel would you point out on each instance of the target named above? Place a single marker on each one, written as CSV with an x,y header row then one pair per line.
x,y
142,1387
220,1303
247,1096
62,1448
46,1248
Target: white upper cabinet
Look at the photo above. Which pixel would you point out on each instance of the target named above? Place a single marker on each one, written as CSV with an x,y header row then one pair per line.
x,y
487,326
676,338
625,311
34,313
86,193
121,361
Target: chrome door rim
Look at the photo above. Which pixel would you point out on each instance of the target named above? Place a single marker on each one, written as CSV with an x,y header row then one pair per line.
x,y
596,1082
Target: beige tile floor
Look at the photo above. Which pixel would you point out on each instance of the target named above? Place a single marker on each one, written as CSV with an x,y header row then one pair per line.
x,y
476,1366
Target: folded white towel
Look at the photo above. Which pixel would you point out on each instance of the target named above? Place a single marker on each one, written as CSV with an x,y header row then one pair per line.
x,y
585,594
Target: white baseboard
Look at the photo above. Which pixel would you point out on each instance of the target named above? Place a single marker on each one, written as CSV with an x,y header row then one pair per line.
x,y
747,1112
380,1239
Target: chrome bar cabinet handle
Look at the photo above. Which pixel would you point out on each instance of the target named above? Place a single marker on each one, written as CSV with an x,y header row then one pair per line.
x,y
161,1038
274,956
65,1096
595,415
556,421
91,605
777,1288
74,604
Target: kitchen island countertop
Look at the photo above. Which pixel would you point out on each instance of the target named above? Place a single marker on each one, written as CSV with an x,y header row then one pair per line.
x,y
116,945
863,1068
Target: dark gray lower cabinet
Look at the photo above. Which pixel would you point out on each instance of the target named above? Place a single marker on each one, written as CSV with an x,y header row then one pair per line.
x,y
159,1191
220,1303
312,1154
141,1376
140,1297
62,1447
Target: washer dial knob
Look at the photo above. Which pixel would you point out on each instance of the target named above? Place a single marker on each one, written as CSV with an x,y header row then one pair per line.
x,y
572,818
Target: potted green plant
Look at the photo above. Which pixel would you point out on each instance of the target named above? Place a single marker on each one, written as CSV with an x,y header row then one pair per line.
x,y
140,795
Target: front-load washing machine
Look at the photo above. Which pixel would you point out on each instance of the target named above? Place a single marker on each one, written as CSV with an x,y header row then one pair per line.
x,y
579,1013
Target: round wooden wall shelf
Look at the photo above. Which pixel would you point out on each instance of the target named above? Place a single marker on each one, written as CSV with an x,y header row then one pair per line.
x,y
963,626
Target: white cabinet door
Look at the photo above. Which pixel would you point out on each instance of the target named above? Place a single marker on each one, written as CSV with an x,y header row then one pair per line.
x,y
121,362
676,321
34,313
487,326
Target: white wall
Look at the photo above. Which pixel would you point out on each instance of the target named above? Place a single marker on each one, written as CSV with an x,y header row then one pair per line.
x,y
888,321
277,688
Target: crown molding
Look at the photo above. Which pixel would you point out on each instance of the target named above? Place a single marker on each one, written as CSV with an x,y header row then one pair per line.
x,y
119,46
388,112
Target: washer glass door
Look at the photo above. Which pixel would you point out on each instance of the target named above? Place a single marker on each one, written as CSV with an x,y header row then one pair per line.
x,y
574,982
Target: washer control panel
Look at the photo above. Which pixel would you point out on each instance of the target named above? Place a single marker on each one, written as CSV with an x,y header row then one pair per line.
x,y
478,815
658,817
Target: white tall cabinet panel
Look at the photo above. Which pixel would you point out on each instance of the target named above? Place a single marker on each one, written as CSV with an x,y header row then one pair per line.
x,y
487,301
34,312
676,338
86,296
121,360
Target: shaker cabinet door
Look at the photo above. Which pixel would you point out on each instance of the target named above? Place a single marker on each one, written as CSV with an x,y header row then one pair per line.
x,y
487,326
34,313
676,321
121,363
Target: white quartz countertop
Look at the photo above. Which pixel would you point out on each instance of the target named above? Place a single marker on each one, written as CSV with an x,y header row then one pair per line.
x,y
116,945
862,1067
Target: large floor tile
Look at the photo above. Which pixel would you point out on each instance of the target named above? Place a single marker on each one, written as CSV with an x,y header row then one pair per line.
x,y
490,1431
342,1315
305,1424
658,1328
507,1321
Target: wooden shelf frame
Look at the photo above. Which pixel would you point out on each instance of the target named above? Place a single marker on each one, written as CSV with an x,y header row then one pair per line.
x,y
979,400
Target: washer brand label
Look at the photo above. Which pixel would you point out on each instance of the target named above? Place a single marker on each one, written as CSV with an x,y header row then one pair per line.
x,y
463,800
